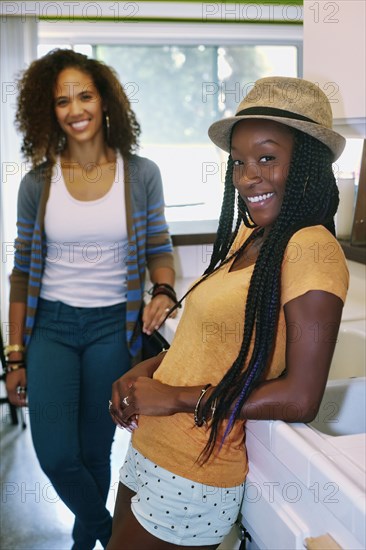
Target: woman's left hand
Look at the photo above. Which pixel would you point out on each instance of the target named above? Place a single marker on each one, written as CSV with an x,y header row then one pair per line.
x,y
149,397
155,312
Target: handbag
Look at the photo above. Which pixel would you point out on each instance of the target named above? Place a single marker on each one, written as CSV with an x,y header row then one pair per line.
x,y
153,344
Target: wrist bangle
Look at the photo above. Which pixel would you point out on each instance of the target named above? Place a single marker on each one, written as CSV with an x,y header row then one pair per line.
x,y
197,420
13,347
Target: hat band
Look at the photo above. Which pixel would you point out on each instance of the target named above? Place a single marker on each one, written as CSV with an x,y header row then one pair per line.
x,y
272,111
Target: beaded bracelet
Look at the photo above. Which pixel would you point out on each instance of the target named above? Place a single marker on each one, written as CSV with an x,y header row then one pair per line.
x,y
164,288
200,421
165,285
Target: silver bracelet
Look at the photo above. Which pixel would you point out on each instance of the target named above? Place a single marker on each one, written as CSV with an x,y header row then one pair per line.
x,y
200,422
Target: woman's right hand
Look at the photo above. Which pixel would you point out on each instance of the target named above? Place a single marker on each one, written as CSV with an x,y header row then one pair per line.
x,y
14,380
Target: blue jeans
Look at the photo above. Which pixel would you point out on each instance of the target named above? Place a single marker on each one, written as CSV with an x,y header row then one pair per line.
x,y
74,356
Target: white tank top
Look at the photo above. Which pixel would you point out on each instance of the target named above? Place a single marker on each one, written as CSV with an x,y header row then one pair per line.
x,y
87,245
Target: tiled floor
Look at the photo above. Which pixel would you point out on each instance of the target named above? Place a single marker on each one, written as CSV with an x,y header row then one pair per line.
x,y
32,515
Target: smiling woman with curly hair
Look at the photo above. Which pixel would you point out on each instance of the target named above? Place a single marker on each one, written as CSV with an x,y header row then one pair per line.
x,y
36,118
90,220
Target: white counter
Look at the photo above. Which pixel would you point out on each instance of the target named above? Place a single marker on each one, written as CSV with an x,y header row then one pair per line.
x,y
308,483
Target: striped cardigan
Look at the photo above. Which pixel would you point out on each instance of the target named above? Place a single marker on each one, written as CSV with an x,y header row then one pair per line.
x,y
148,236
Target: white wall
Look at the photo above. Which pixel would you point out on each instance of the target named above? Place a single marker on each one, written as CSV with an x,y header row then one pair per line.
x,y
335,54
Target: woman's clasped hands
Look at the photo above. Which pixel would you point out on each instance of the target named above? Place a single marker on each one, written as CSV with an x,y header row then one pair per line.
x,y
134,395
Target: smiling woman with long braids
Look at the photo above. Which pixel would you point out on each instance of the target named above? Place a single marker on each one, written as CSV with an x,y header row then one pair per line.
x,y
258,331
90,220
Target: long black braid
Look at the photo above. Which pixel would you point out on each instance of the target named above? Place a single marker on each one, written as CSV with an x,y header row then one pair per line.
x,y
225,235
311,198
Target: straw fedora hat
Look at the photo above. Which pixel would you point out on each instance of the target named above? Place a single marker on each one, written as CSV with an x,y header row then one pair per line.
x,y
291,101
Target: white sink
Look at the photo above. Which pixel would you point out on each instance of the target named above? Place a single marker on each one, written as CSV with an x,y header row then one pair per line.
x,y
343,408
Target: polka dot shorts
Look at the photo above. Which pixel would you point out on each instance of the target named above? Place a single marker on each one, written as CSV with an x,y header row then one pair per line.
x,y
176,509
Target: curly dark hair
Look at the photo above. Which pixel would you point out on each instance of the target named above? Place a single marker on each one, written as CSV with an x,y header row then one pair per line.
x,y
35,116
311,198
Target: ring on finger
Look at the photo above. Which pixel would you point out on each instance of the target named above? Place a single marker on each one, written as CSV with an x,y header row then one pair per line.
x,y
21,389
109,405
125,401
